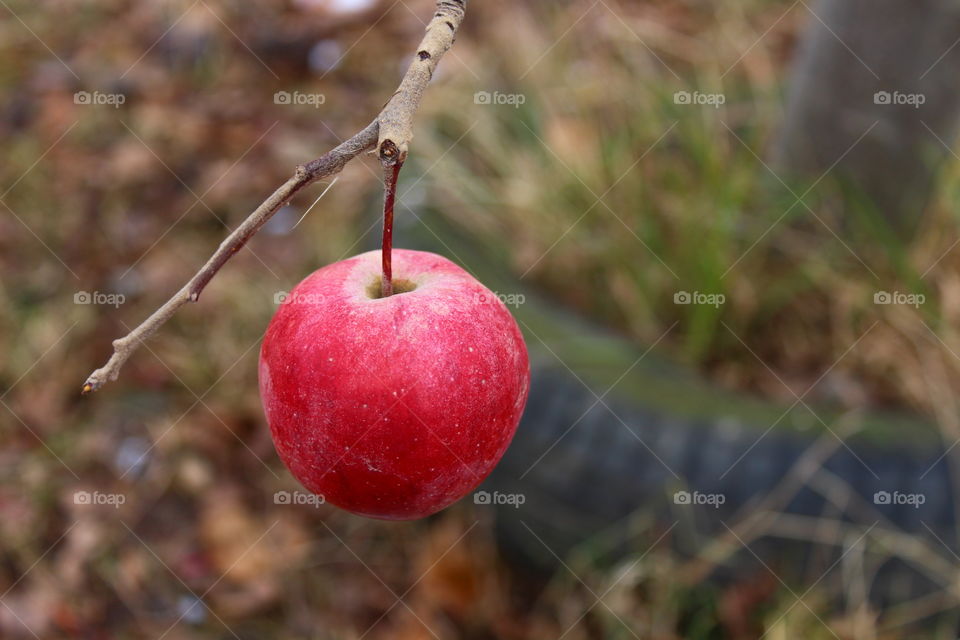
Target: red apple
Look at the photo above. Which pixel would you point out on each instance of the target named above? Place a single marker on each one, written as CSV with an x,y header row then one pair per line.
x,y
393,407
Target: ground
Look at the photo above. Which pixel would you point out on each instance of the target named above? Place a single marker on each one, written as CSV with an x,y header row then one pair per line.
x,y
137,134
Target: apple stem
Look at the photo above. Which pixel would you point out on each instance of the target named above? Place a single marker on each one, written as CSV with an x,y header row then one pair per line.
x,y
390,174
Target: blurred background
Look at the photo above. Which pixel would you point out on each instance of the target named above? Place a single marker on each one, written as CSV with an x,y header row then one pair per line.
x,y
728,231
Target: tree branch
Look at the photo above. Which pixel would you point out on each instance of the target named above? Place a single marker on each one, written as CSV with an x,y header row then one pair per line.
x,y
390,133
396,119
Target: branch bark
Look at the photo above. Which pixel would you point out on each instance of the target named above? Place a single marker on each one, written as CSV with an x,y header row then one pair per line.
x,y
390,133
396,119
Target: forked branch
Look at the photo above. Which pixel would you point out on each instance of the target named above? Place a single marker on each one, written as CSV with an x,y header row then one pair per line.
x,y
390,133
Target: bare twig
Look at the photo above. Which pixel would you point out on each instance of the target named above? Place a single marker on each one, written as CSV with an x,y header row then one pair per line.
x,y
390,133
396,119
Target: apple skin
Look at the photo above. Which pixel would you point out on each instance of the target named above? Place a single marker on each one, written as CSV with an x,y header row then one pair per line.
x,y
393,407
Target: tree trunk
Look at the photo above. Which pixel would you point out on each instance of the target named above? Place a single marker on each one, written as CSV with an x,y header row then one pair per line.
x,y
886,71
